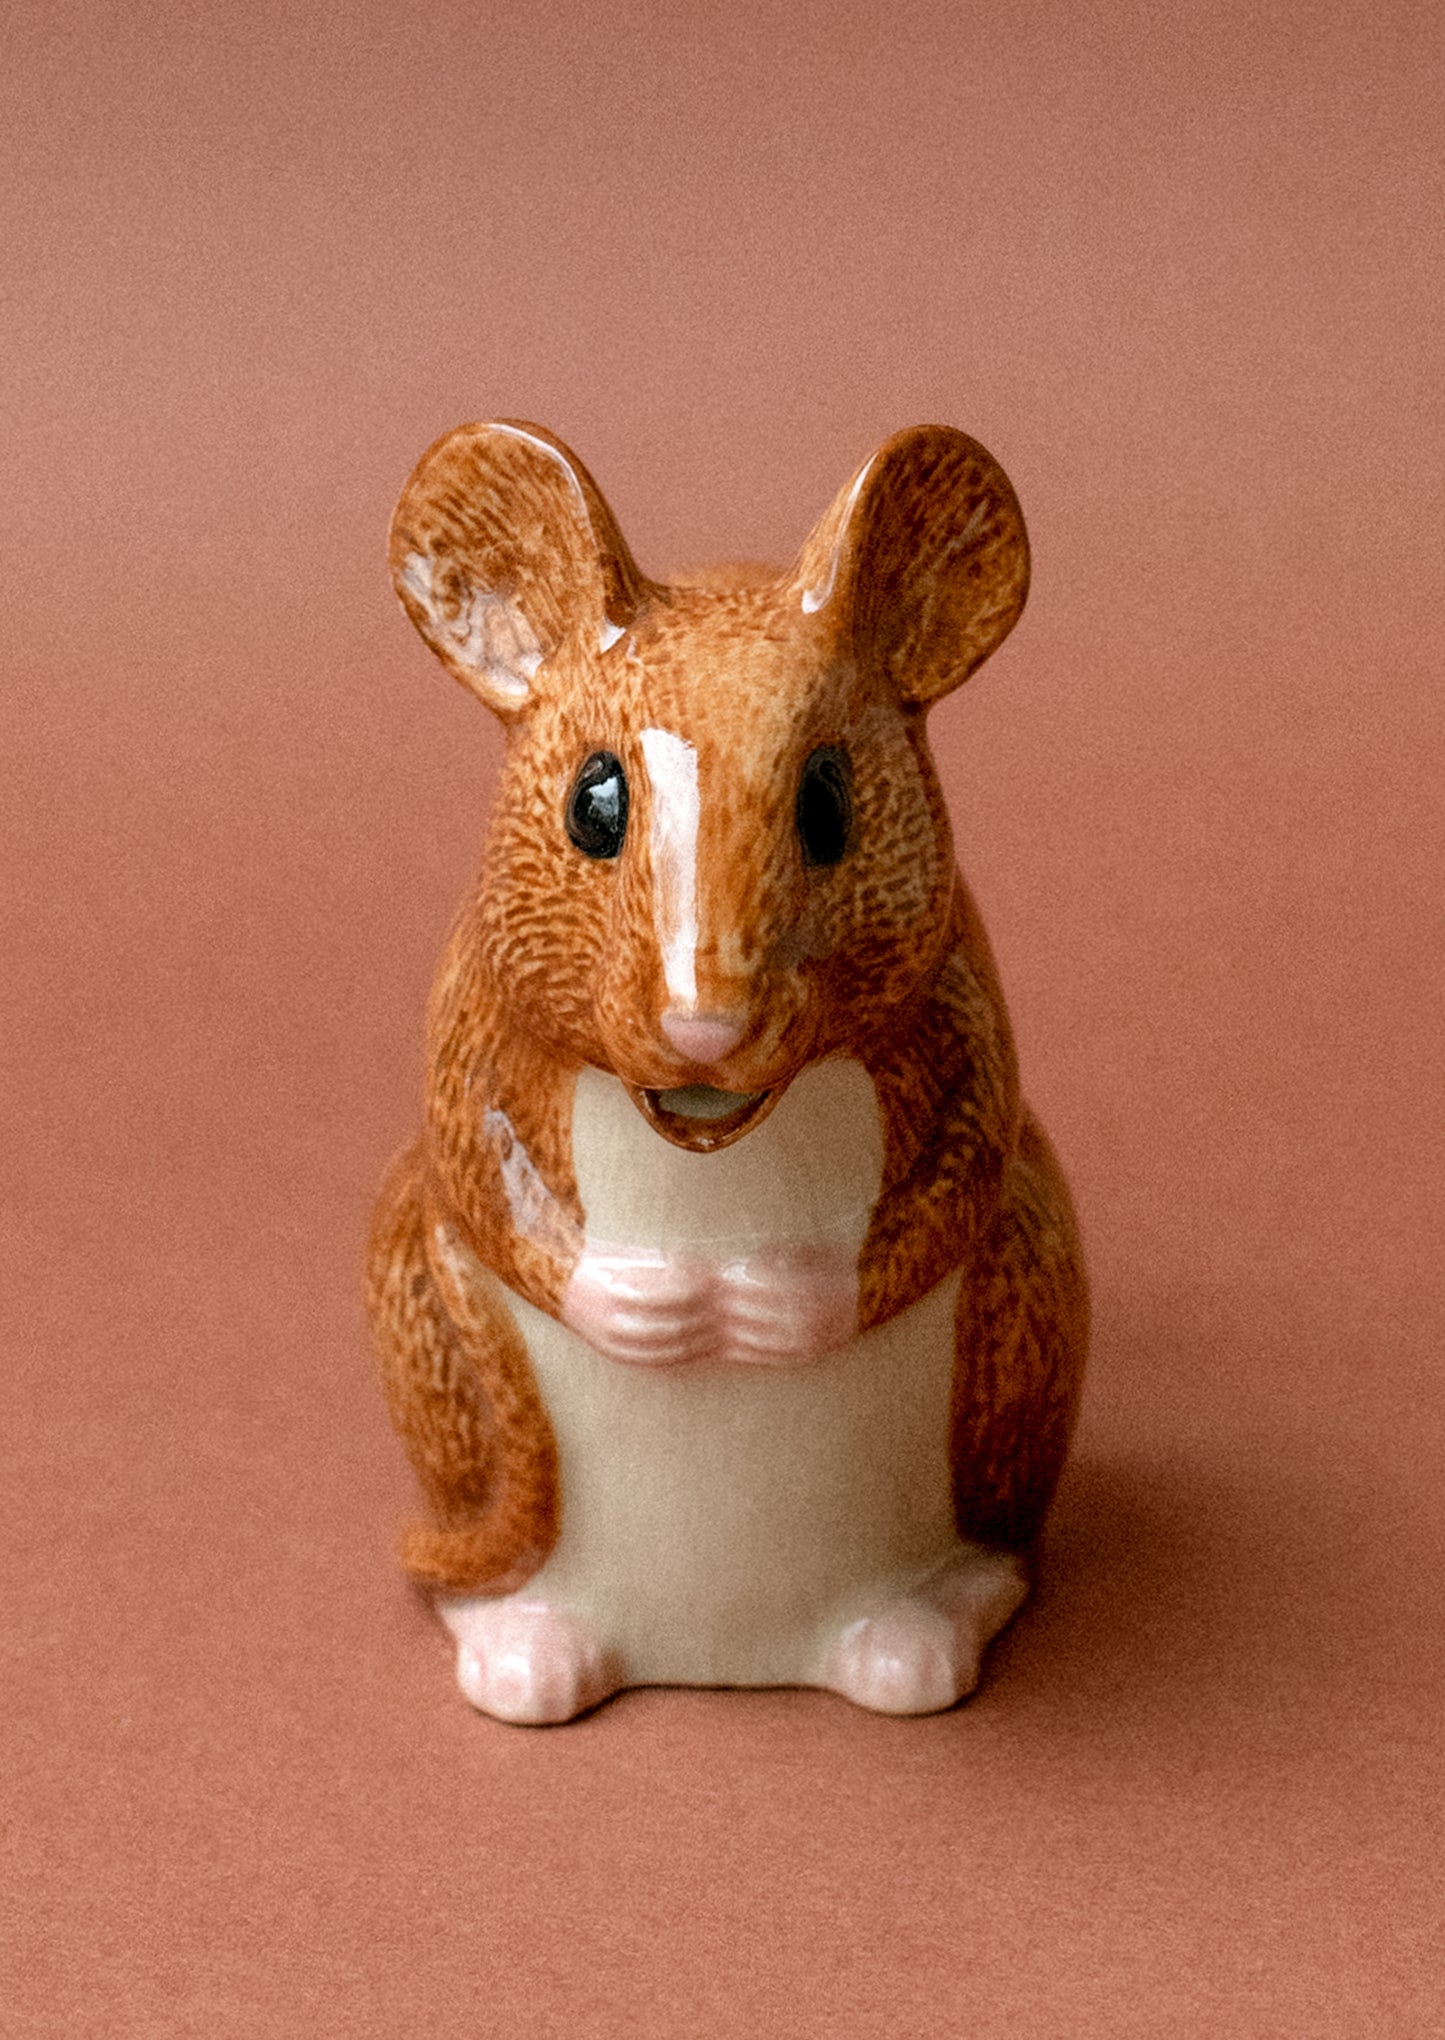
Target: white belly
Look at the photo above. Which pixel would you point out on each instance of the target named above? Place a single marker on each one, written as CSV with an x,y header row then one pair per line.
x,y
720,1523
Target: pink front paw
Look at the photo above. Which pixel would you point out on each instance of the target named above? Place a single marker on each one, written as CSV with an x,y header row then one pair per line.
x,y
654,1309
643,1308
790,1304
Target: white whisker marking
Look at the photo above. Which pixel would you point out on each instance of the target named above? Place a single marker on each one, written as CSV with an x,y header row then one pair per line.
x,y
672,774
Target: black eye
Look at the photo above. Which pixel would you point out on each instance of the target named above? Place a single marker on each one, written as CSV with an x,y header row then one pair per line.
x,y
597,806
825,806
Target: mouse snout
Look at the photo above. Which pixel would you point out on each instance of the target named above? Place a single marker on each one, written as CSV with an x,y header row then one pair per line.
x,y
704,1037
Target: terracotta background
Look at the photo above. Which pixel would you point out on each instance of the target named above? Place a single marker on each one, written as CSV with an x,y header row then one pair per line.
x,y
1180,268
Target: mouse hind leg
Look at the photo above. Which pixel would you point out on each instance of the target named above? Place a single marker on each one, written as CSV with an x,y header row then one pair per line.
x,y
1022,1333
461,1393
1021,1327
463,1400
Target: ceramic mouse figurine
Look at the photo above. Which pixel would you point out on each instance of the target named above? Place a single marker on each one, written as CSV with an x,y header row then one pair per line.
x,y
730,1305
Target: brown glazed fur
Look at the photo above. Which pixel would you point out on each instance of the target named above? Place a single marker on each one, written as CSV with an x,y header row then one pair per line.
x,y
512,567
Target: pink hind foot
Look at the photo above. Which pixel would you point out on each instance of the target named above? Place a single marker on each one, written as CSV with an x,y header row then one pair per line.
x,y
524,1661
922,1652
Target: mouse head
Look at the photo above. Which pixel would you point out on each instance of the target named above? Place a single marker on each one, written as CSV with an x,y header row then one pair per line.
x,y
719,850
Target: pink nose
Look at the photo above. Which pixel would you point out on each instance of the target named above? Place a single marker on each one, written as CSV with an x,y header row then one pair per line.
x,y
703,1037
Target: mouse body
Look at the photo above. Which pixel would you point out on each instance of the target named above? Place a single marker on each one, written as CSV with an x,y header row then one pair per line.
x,y
730,1304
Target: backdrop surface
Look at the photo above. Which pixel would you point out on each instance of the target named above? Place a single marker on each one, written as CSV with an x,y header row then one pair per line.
x,y
1180,271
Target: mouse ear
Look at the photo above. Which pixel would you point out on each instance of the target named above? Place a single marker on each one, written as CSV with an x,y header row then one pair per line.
x,y
923,560
502,547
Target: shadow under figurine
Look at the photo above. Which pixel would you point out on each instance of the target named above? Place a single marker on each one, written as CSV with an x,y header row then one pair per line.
x,y
730,1305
